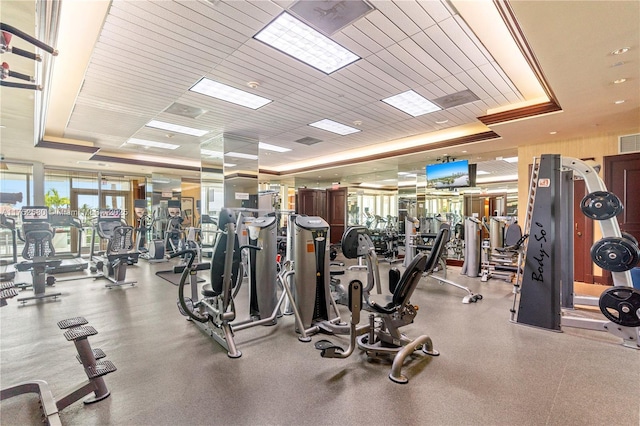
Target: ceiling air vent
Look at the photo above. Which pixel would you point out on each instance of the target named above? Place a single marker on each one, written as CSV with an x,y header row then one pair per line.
x,y
629,143
328,16
455,99
308,141
185,110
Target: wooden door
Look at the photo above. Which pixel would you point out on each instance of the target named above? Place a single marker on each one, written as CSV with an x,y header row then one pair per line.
x,y
582,237
307,202
622,177
337,213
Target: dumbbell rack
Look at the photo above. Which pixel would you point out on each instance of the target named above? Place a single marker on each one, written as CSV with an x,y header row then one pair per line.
x,y
545,281
95,368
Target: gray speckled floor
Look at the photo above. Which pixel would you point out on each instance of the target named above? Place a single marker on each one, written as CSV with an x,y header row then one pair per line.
x,y
490,372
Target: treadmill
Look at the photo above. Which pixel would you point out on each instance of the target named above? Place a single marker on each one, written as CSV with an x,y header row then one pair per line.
x,y
7,267
64,223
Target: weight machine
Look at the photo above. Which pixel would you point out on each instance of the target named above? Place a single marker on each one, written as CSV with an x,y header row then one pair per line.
x,y
543,292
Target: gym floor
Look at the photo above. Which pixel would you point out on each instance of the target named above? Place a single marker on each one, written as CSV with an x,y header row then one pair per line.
x,y
490,371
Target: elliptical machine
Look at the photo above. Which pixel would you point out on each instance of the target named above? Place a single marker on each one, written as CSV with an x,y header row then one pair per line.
x,y
38,249
109,226
215,312
174,238
154,253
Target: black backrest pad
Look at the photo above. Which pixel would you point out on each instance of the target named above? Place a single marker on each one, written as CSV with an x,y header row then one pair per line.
x,y
352,240
219,253
409,280
437,249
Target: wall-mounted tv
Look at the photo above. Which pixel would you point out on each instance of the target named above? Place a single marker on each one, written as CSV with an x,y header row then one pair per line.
x,y
454,174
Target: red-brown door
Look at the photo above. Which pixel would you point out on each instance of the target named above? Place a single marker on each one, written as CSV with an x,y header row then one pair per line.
x,y
307,202
582,237
622,177
337,213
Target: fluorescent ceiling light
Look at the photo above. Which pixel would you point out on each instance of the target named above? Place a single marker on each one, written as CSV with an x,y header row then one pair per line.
x,y
505,178
176,128
370,185
228,164
293,37
335,127
269,147
211,153
241,155
481,172
511,159
412,103
152,144
230,94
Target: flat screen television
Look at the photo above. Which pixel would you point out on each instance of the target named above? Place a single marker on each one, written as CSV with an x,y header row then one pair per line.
x,y
454,174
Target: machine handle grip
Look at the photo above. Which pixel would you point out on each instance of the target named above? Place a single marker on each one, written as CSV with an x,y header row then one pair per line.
x,y
250,247
182,253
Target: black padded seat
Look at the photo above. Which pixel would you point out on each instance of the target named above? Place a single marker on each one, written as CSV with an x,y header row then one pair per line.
x,y
407,284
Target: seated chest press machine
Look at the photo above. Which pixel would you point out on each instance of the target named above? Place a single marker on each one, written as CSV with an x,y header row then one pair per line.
x,y
382,337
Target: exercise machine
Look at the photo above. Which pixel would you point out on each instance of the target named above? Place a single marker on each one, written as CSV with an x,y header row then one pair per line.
x,y
38,250
119,254
174,237
7,271
94,366
149,249
501,256
215,312
543,292
70,262
381,337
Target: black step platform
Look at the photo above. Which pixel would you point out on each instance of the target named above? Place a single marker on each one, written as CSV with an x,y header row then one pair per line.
x,y
8,293
6,285
78,333
72,322
101,368
97,354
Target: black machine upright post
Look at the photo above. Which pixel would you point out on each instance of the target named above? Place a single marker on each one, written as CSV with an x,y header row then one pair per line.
x,y
540,288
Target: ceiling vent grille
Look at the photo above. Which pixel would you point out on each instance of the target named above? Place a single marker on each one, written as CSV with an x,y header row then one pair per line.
x,y
308,140
629,143
455,99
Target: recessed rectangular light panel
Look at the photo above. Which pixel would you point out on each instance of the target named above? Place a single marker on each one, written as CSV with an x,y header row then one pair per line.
x,y
152,144
269,147
412,103
211,153
241,155
176,128
223,92
297,39
334,126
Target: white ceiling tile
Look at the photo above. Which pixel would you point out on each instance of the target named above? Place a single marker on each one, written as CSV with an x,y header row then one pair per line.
x,y
385,25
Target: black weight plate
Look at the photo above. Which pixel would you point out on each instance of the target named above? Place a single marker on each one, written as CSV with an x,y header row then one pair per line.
x,y
630,237
615,254
621,305
601,205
